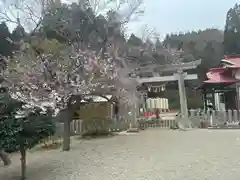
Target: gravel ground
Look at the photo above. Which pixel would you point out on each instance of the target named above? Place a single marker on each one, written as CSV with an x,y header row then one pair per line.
x,y
152,154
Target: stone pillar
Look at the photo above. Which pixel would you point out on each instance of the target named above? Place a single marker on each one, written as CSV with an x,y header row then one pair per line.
x,y
111,111
217,101
235,116
143,103
133,111
230,118
238,96
183,100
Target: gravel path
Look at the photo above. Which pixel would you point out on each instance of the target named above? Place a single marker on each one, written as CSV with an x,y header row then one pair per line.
x,y
152,154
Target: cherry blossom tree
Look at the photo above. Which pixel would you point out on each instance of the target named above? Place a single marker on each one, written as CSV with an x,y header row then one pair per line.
x,y
59,81
60,75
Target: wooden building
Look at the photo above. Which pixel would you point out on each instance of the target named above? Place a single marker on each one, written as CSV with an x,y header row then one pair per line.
x,y
99,109
221,91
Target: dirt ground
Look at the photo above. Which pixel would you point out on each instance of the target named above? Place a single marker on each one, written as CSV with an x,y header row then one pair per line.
x,y
153,154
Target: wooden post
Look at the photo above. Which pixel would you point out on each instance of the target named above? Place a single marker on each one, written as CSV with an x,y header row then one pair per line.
x,y
205,100
23,162
213,100
143,100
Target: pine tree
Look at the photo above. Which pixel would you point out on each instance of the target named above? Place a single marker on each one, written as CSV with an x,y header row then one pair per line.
x,y
6,47
134,41
232,32
158,44
19,133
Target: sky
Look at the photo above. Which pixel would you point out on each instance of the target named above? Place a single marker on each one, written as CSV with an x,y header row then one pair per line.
x,y
168,16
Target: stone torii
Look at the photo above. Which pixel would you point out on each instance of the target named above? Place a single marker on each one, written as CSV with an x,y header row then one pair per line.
x,y
179,76
130,74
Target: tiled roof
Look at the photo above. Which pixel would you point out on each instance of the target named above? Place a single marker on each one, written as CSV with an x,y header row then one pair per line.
x,y
219,75
234,60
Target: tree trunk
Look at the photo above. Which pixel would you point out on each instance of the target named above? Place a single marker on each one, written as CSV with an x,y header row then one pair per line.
x,y
66,135
23,163
5,157
67,115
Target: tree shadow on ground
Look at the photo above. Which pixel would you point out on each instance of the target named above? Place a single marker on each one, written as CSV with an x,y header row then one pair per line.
x,y
96,135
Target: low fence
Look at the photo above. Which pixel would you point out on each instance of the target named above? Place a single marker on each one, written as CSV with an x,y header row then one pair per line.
x,y
215,118
198,118
91,126
81,127
161,123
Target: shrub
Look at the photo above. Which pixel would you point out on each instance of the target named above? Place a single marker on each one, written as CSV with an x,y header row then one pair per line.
x,y
22,132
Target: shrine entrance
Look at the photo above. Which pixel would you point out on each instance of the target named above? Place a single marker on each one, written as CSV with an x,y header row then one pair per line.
x,y
220,97
178,74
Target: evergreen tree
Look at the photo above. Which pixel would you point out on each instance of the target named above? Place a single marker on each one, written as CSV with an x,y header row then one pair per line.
x,y
10,127
134,41
158,44
232,31
18,33
21,132
6,47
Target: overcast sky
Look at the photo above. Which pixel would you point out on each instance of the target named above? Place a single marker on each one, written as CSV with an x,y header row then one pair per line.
x,y
183,15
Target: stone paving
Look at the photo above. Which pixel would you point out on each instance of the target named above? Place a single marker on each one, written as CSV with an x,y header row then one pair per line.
x,y
153,154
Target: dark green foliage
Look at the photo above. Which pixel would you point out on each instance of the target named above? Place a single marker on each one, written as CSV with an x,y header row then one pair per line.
x,y
134,41
73,23
35,127
25,131
232,31
206,45
6,47
9,41
70,23
9,125
18,33
53,26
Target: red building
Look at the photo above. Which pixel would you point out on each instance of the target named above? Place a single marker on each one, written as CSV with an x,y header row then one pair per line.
x,y
222,88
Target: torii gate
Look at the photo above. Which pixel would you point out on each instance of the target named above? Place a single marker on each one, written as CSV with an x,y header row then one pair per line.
x,y
132,70
179,76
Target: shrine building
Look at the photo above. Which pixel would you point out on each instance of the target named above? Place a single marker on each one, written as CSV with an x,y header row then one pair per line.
x,y
221,90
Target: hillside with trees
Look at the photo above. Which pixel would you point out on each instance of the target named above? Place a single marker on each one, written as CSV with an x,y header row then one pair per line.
x,y
206,45
72,23
232,31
